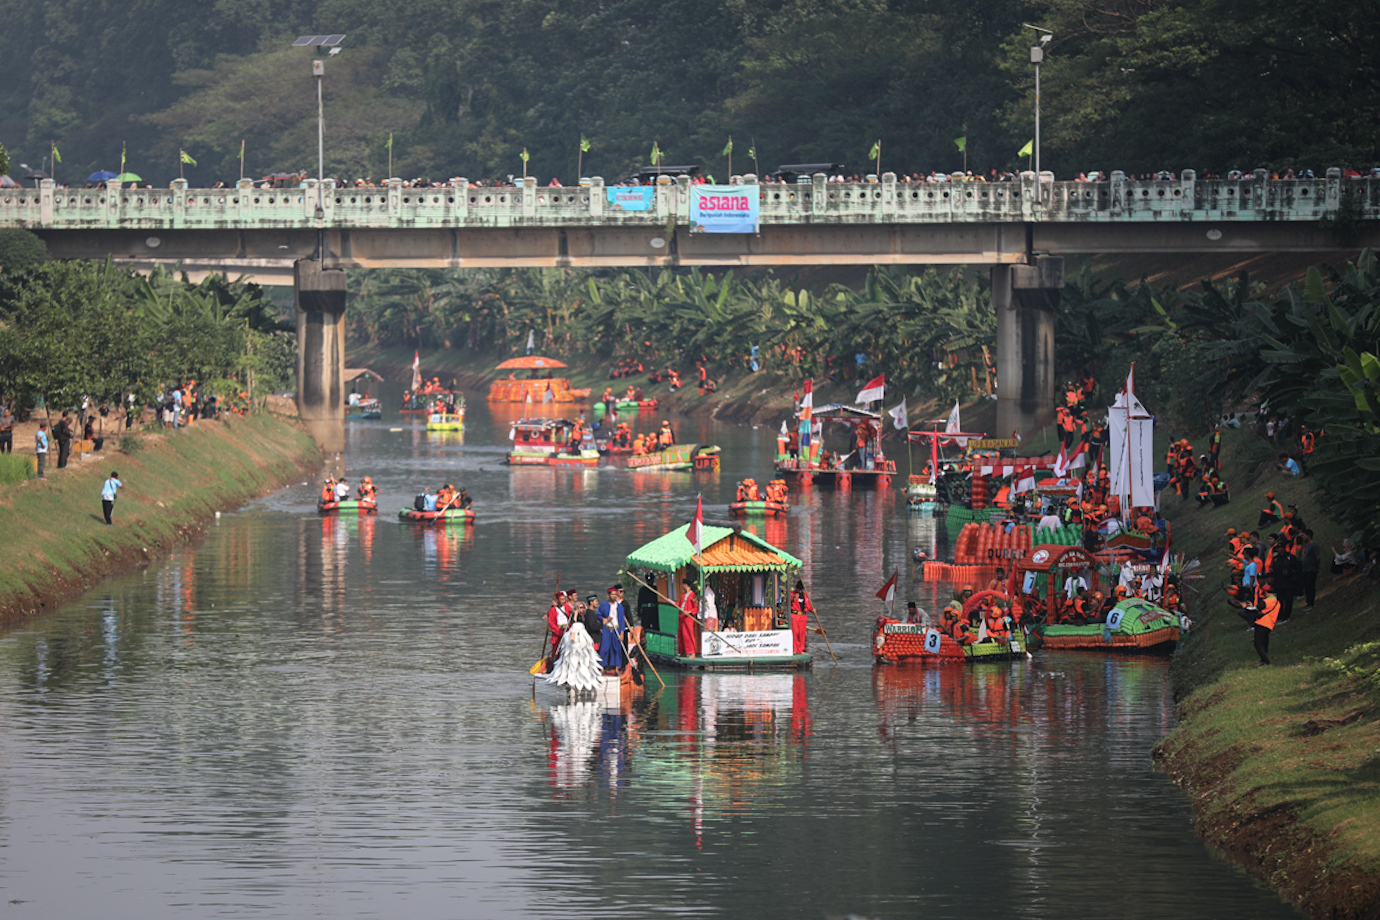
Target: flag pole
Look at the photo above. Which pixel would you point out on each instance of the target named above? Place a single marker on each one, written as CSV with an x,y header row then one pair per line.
x,y
241,158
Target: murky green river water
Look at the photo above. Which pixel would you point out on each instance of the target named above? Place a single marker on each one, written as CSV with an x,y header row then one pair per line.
x,y
308,717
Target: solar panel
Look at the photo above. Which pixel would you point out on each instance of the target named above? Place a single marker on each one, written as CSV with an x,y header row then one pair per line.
x,y
325,40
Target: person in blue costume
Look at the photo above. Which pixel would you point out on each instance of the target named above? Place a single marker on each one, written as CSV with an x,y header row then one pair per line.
x,y
613,614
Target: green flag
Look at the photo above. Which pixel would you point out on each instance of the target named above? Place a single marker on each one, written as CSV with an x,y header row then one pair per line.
x,y
752,151
57,157
1027,150
187,158
584,144
728,148
656,154
961,143
389,145
525,156
876,151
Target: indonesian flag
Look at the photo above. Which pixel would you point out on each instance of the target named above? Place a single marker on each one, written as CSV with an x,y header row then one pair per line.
x,y
1064,463
1025,480
888,592
1017,435
898,416
934,461
548,395
875,390
695,532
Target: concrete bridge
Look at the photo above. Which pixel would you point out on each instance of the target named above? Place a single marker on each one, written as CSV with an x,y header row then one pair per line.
x,y
1023,229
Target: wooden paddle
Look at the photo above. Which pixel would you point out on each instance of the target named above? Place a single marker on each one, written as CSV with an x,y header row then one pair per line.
x,y
819,627
677,606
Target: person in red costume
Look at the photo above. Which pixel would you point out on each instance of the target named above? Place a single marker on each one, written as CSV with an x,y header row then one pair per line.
x,y
801,608
689,638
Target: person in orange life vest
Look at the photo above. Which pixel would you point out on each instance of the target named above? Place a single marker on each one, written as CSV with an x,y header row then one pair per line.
x,y
557,621
630,394
995,620
367,492
688,637
800,620
608,398
1272,511
1308,441
1234,541
741,494
1262,615
639,446
1145,523
754,493
665,438
776,491
328,490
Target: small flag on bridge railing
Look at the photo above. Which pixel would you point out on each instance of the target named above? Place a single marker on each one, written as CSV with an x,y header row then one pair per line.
x,y
524,156
728,148
584,144
187,158
961,143
1027,150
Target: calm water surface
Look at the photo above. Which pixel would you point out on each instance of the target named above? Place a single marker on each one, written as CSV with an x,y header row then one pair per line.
x,y
309,717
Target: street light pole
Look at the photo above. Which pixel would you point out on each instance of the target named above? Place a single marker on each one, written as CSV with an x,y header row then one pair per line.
x,y
1037,57
318,69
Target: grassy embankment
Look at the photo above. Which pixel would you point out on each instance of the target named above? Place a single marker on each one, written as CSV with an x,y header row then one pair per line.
x,y
1283,762
56,541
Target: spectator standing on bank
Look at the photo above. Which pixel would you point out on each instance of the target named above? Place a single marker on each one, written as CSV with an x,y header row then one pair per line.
x,y
6,430
108,492
41,447
62,433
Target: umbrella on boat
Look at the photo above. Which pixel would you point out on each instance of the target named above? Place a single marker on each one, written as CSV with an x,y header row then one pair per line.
x,y
129,177
529,361
101,175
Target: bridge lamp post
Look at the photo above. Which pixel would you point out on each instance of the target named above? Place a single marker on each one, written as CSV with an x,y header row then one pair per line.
x,y
318,70
1037,57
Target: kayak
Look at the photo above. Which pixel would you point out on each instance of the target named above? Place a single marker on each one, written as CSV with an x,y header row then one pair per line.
x,y
348,506
769,509
450,515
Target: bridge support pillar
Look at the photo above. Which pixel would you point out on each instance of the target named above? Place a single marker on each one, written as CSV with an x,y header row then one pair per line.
x,y
321,354
1025,297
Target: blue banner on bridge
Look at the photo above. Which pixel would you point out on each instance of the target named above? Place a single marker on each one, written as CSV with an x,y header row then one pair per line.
x,y
724,209
630,197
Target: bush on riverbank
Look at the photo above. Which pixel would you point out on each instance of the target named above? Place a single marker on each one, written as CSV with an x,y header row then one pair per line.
x,y
56,541
1282,761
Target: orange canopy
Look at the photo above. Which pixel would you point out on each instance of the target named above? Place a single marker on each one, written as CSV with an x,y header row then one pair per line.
x,y
529,361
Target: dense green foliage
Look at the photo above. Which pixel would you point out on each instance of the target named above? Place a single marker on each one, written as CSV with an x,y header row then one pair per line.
x,y
463,86
70,330
20,249
926,332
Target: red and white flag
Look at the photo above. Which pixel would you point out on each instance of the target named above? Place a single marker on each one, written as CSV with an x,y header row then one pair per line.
x,y
1017,435
1025,480
888,592
695,532
874,391
1063,463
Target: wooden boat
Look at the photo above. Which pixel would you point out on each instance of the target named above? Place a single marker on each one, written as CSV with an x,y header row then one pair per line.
x,y
348,506
895,642
761,508
446,421
577,677
863,467
364,409
449,516
750,579
703,457
545,442
1134,625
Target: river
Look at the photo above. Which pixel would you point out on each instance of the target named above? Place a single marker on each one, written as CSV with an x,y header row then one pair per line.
x,y
333,718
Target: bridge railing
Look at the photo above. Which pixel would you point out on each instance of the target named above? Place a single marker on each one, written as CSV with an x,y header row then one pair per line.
x,y
1253,197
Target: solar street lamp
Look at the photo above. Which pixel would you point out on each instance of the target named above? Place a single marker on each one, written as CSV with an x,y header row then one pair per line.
x,y
1037,57
318,70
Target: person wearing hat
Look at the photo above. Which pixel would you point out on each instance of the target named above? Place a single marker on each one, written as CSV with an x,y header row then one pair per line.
x,y
801,608
588,612
342,489
1272,512
614,618
367,492
666,437
1262,615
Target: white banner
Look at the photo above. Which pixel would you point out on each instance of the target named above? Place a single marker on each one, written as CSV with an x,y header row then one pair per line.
x,y
746,644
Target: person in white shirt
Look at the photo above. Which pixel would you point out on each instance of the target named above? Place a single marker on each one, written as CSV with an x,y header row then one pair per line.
x,y
108,492
342,490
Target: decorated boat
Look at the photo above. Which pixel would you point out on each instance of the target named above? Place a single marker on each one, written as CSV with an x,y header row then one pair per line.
x,y
546,442
364,409
447,421
447,516
895,642
534,389
1132,624
701,457
348,506
743,619
760,508
576,675
921,495
860,463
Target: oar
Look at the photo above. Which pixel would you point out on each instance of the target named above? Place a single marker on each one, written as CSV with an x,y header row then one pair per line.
x,y
645,657
819,625
441,512
690,615
546,637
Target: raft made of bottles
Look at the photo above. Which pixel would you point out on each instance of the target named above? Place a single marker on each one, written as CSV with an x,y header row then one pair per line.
x,y
1134,625
449,516
993,544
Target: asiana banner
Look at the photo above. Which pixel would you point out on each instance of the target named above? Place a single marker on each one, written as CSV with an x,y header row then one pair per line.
x,y
724,209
